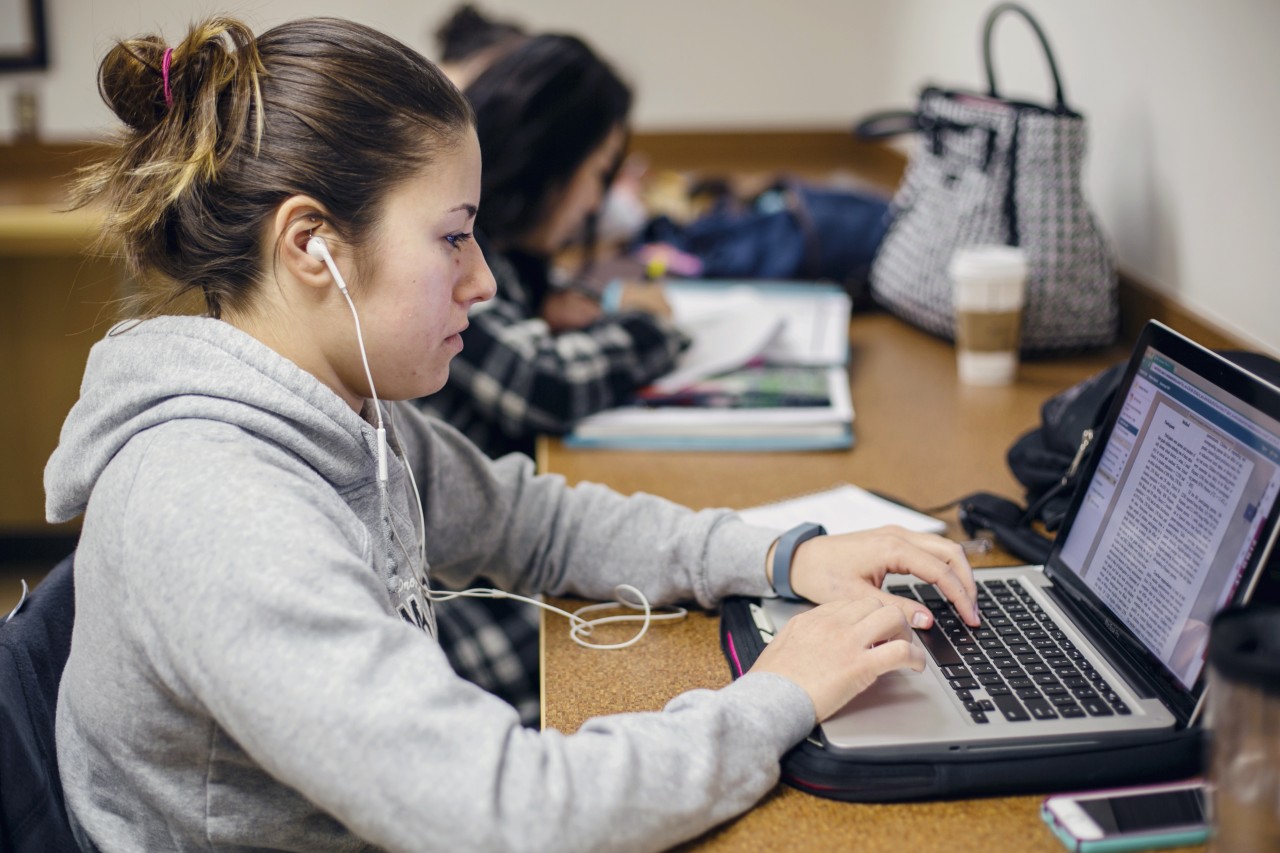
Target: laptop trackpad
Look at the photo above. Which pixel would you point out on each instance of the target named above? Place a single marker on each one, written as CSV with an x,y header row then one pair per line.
x,y
898,704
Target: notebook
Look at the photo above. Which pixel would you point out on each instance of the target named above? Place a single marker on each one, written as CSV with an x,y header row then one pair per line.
x,y
1173,519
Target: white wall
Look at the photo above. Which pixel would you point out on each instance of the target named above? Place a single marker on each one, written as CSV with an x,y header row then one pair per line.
x,y
1182,96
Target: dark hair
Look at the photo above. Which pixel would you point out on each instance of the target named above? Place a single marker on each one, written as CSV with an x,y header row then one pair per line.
x,y
320,107
468,31
541,110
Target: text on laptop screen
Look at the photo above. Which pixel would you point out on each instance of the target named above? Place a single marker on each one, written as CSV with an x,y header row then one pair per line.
x,y
1175,509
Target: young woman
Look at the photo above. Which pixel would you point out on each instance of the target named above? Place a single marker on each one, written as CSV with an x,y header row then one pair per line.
x,y
552,122
253,663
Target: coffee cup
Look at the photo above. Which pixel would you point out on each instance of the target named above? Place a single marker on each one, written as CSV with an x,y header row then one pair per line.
x,y
989,289
1244,730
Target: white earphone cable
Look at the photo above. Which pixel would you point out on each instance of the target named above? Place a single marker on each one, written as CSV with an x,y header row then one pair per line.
x,y
579,628
321,251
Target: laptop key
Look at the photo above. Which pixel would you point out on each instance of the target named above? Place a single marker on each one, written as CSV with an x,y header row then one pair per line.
x,y
929,593
1028,693
1072,711
1011,708
1096,707
955,671
998,690
944,654
979,717
963,684
1121,708
1041,710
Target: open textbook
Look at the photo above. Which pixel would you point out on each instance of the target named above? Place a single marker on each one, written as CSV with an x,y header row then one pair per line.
x,y
756,408
734,323
765,371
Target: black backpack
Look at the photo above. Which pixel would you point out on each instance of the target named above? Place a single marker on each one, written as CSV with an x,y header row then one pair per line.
x,y
1048,460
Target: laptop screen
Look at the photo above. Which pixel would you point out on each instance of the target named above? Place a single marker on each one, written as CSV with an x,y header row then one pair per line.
x,y
1177,506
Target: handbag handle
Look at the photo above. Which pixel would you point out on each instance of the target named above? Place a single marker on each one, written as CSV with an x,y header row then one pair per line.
x,y
995,13
886,124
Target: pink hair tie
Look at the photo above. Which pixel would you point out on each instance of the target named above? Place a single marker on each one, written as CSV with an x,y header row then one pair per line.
x,y
164,73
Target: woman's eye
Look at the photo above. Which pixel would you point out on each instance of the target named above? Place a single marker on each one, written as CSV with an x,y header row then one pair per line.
x,y
457,241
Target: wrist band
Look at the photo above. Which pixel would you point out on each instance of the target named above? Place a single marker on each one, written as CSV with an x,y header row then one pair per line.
x,y
611,297
783,553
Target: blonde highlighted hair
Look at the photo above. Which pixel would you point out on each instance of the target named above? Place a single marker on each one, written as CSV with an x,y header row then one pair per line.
x,y
232,124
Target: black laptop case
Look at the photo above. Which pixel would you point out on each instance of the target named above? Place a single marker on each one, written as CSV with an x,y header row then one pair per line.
x,y
811,767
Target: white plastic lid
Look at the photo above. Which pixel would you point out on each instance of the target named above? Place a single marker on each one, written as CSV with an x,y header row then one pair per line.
x,y
989,261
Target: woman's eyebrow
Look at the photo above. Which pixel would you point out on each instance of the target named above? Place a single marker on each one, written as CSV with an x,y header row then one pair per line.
x,y
470,209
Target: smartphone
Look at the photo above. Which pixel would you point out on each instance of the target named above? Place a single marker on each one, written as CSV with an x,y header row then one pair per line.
x,y
1141,818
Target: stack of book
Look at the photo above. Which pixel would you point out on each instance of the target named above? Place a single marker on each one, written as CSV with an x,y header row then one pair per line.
x,y
767,370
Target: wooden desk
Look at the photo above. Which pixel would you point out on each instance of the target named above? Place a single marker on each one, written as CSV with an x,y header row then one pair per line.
x,y
56,301
920,437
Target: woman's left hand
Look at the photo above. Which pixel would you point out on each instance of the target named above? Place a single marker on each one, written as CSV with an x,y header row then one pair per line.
x,y
854,565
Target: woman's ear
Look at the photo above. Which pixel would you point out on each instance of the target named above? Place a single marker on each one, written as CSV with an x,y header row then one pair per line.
x,y
297,220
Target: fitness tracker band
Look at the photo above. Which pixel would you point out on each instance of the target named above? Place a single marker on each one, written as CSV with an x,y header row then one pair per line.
x,y
783,553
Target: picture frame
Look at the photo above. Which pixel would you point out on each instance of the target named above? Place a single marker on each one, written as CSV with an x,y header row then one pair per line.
x,y
24,43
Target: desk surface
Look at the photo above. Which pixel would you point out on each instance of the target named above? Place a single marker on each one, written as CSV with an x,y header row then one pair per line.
x,y
922,438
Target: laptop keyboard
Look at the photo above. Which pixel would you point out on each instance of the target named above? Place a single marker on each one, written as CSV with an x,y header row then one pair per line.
x,y
1017,662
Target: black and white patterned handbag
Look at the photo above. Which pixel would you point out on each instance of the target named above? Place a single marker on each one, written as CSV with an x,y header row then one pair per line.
x,y
993,170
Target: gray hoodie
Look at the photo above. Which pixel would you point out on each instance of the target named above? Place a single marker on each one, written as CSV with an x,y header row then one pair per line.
x,y
241,673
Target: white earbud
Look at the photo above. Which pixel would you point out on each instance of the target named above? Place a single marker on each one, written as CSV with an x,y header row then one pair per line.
x,y
319,249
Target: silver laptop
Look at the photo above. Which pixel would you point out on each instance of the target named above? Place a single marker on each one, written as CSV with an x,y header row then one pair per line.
x,y
1173,520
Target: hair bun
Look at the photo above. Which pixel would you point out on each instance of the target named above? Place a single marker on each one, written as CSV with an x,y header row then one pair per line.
x,y
142,80
131,82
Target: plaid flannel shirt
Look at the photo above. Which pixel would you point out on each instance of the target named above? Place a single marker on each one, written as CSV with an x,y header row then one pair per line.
x,y
512,380
515,379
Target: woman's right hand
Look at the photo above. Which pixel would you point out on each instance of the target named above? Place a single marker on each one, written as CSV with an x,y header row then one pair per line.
x,y
837,650
569,311
642,296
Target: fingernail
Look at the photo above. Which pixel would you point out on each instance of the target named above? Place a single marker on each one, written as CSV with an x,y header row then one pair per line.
x,y
977,617
920,620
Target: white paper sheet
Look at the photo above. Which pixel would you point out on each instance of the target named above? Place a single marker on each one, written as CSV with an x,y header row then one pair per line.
x,y
844,509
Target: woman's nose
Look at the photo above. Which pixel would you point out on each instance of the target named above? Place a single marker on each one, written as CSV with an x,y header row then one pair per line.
x,y
479,285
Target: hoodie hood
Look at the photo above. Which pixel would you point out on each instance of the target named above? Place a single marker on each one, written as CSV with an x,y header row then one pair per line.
x,y
170,368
